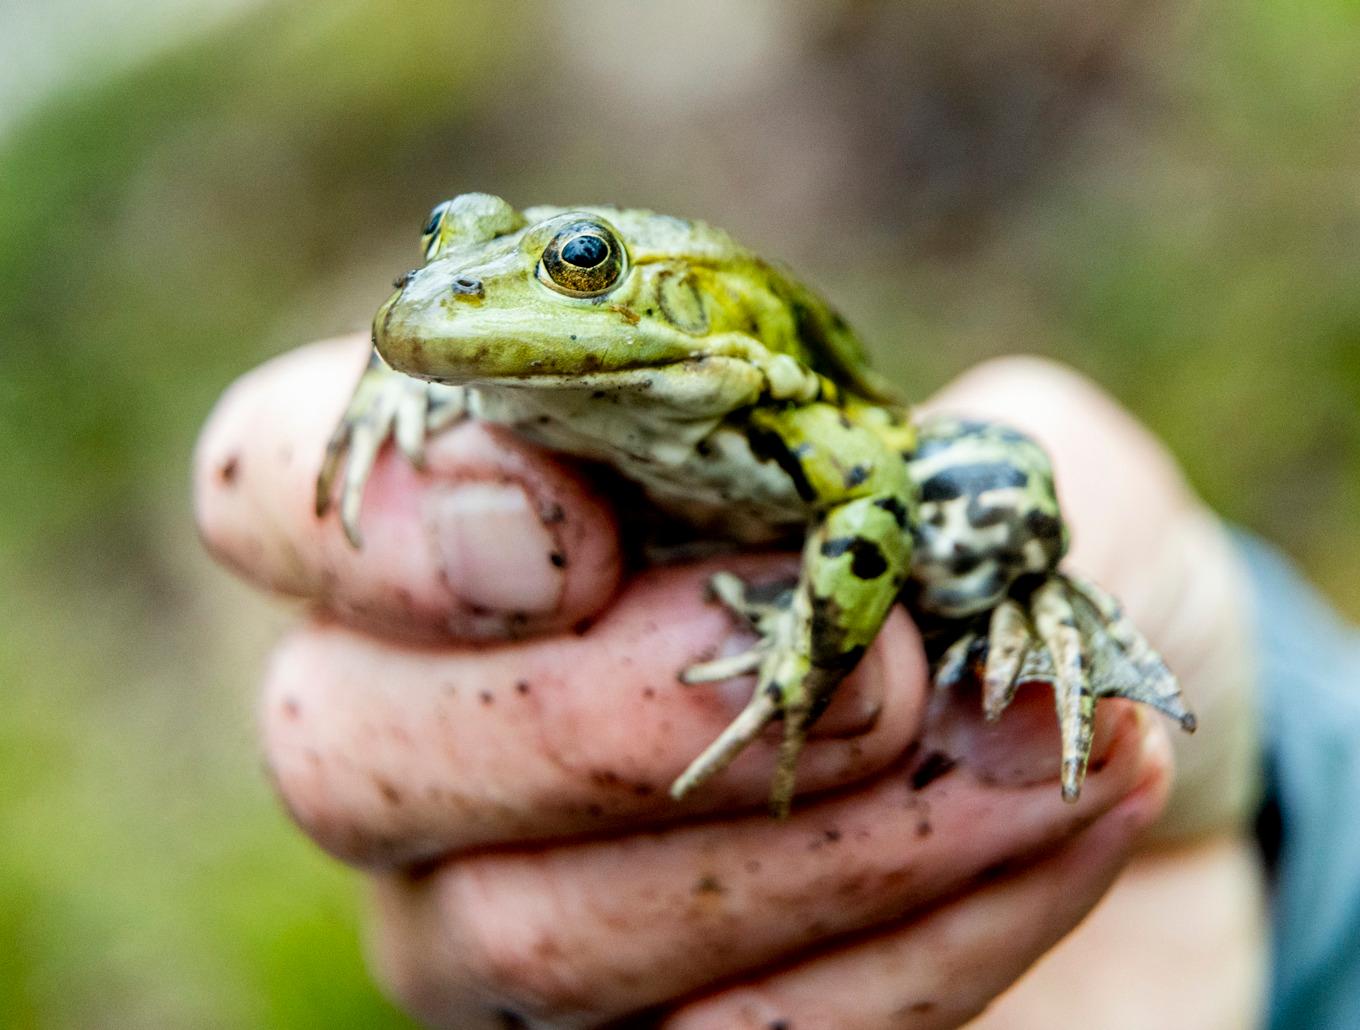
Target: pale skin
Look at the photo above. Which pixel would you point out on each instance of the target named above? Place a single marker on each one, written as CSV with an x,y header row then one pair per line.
x,y
508,800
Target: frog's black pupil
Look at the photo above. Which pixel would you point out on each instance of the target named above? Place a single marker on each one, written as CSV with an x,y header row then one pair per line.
x,y
436,216
585,251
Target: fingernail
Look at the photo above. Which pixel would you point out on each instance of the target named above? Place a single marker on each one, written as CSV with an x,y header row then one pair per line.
x,y
495,551
1156,757
1023,747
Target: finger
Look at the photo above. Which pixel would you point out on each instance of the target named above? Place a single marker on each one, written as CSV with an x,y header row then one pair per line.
x,y
1141,979
941,970
594,931
492,539
392,754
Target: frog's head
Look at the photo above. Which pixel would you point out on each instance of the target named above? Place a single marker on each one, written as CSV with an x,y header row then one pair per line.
x,y
563,298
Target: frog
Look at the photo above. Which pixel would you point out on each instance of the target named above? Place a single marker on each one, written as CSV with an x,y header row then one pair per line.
x,y
744,407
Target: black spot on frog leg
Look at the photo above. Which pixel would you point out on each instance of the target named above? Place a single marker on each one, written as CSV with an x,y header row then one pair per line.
x,y
866,557
895,508
790,458
1044,526
971,480
867,561
856,475
830,650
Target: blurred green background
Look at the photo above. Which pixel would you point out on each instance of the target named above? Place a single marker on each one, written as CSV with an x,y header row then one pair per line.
x,y
1166,196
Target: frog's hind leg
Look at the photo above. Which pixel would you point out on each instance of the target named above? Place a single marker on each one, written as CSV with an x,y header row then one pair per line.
x,y
989,544
385,404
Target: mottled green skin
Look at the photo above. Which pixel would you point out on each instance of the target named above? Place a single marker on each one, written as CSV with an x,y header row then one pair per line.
x,y
741,402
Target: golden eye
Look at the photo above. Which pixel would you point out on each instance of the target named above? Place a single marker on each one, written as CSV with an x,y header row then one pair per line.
x,y
583,260
429,235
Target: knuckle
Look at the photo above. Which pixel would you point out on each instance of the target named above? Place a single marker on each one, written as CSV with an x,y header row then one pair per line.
x,y
464,946
315,783
408,976
514,945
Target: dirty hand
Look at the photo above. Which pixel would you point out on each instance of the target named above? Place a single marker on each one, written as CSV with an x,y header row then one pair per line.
x,y
479,714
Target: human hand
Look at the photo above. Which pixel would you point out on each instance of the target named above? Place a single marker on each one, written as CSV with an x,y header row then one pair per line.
x,y
509,799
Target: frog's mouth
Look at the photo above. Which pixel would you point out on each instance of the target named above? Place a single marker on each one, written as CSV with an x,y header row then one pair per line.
x,y
702,386
633,380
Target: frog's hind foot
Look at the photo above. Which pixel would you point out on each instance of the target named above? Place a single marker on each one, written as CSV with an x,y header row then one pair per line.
x,y
385,404
782,672
1070,633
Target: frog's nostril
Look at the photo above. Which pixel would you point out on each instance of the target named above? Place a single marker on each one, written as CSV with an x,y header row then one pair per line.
x,y
465,286
400,281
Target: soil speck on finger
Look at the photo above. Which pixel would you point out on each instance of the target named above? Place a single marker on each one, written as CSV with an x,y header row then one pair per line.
x,y
389,791
917,1008
229,471
709,884
934,765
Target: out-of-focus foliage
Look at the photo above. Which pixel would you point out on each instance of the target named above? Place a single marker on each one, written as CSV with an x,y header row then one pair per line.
x,y
1167,198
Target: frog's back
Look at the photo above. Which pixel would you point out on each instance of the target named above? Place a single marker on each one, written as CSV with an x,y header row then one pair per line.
x,y
764,298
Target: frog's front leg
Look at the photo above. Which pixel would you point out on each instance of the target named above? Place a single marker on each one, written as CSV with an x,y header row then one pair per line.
x,y
385,404
855,560
985,581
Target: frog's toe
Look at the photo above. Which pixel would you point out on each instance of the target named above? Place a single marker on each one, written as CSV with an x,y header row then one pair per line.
x,y
409,421
725,668
730,590
350,454
1055,622
1009,640
1126,664
759,712
385,405
330,465
760,606
770,700
958,660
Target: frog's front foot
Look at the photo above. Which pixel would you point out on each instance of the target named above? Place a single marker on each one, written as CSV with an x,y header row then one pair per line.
x,y
385,404
784,685
1070,633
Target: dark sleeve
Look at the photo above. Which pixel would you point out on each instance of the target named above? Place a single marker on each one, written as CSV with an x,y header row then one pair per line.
x,y
1310,823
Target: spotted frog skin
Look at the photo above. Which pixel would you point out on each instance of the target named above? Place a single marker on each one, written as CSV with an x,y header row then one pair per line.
x,y
743,405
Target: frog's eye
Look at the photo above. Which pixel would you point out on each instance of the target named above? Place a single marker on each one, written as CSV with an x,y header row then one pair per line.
x,y
583,260
429,235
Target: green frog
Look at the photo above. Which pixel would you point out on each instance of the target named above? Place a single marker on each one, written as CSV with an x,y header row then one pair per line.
x,y
743,405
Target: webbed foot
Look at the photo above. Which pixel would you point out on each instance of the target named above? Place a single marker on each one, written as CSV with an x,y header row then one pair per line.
x,y
1072,634
784,686
385,404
